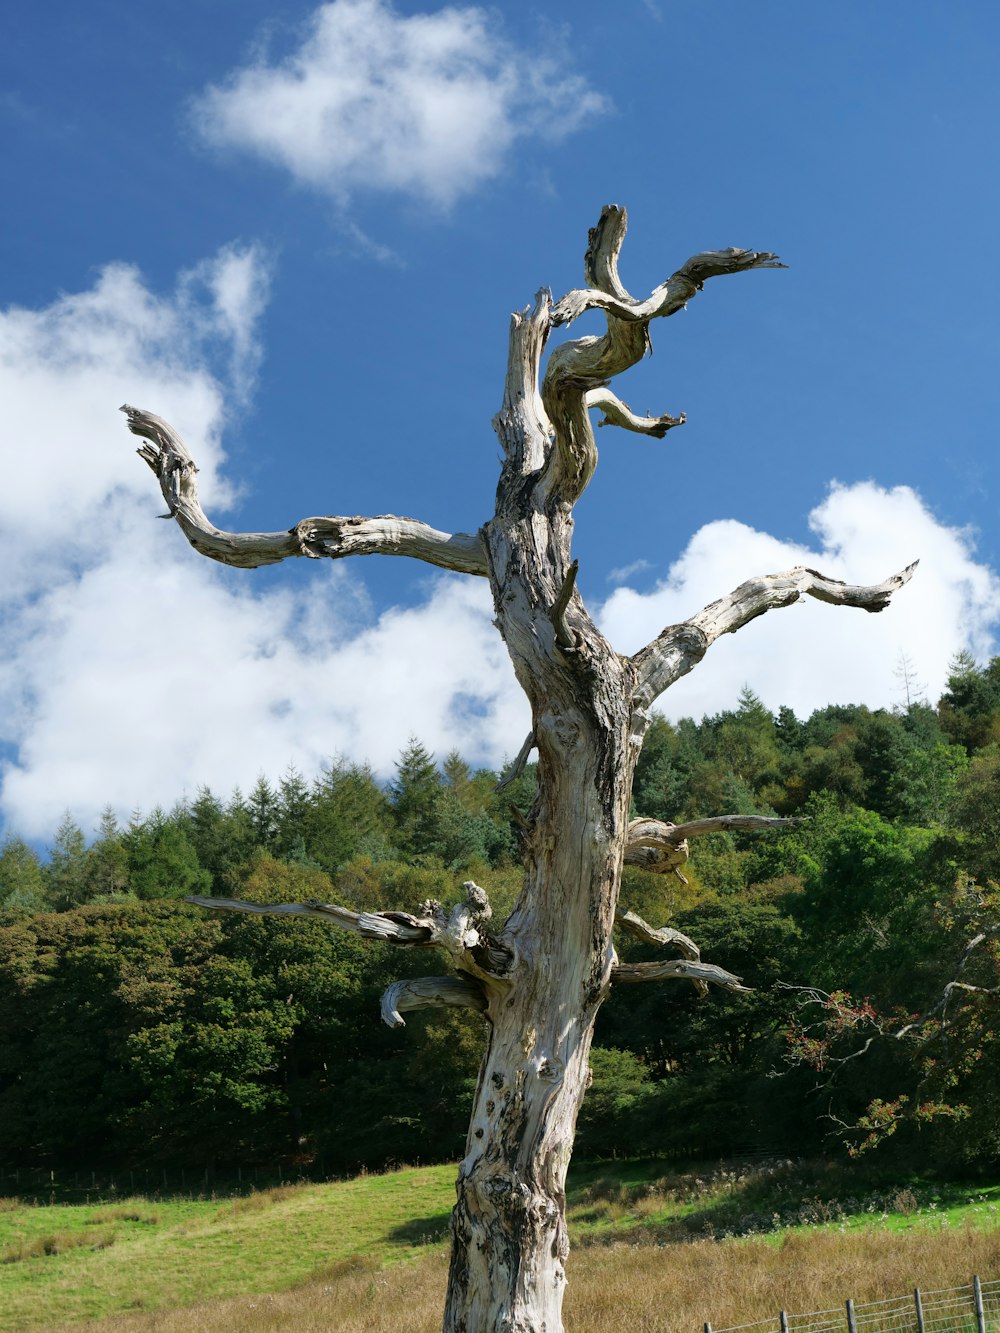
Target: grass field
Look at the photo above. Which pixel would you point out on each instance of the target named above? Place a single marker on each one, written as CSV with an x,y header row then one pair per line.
x,y
654,1248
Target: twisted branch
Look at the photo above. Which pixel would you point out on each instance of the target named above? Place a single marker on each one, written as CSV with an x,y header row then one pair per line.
x,y
170,460
429,992
631,973
482,959
679,648
577,373
662,848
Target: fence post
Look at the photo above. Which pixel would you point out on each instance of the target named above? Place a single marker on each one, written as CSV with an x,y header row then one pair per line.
x,y
977,1292
708,1327
920,1309
852,1323
784,1322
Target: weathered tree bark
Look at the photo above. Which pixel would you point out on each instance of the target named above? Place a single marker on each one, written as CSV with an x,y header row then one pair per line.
x,y
541,977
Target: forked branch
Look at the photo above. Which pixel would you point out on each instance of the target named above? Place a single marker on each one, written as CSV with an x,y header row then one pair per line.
x,y
658,846
681,647
578,372
169,458
617,413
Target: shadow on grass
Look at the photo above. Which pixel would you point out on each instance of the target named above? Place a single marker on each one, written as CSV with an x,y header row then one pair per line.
x,y
728,1199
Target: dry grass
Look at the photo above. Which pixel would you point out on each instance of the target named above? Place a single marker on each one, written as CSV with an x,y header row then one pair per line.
x,y
675,1289
55,1242
643,1288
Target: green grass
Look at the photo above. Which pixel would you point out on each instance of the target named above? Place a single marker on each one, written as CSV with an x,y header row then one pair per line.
x,y
135,1254
712,1201
61,1263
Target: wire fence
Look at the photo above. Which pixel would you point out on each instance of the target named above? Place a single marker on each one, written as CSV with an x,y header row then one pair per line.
x,y
971,1309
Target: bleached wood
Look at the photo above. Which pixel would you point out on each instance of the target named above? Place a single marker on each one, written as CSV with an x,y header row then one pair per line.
x,y
461,934
642,930
541,976
519,764
694,828
170,459
679,648
391,927
429,992
661,848
577,372
674,969
617,413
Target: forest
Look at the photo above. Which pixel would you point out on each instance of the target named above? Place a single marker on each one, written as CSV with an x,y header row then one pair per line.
x,y
137,1029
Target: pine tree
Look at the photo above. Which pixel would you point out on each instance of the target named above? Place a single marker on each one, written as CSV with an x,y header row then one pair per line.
x,y
263,808
22,883
66,871
107,860
415,794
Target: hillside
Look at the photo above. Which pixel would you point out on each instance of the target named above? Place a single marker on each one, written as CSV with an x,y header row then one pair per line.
x,y
368,1253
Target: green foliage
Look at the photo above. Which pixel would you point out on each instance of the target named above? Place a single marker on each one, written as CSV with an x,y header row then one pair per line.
x,y
23,889
969,709
66,871
617,1113
162,860
134,1027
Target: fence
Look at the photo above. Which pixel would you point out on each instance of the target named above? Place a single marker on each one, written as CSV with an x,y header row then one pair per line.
x,y
950,1310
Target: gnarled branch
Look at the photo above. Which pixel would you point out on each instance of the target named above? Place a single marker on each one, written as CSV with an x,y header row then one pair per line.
x,y
679,648
557,612
169,458
617,413
642,930
429,992
661,848
630,973
577,373
670,296
389,927
519,764
461,933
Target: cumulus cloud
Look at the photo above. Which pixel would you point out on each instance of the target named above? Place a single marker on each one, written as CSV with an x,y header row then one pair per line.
x,y
126,717
130,671
811,654
427,106
63,370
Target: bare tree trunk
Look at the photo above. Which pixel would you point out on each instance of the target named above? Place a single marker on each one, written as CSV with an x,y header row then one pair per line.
x,y
542,977
509,1243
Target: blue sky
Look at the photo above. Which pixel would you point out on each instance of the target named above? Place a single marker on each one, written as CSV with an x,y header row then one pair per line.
x,y
297,232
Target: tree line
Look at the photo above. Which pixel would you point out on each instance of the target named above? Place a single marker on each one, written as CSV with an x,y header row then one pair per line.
x,y
135,1029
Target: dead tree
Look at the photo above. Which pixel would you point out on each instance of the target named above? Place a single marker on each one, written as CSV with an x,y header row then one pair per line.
x,y
541,976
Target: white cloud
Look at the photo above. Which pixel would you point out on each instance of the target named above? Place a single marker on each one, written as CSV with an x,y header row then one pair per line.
x,y
65,369
428,105
811,654
131,671
624,572
159,676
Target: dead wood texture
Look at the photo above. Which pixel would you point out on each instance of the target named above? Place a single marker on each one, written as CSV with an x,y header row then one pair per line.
x,y
540,976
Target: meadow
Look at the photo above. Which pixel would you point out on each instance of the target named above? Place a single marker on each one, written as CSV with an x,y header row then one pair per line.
x,y
655,1248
